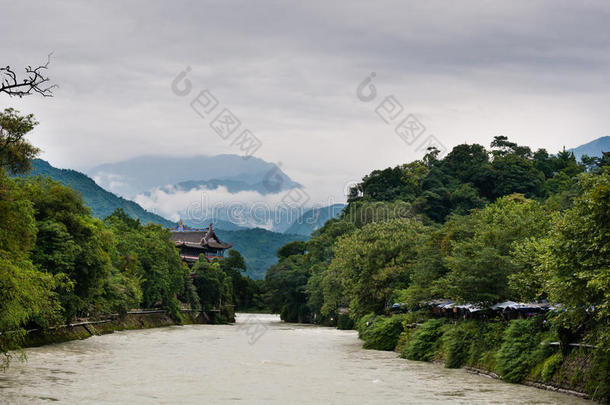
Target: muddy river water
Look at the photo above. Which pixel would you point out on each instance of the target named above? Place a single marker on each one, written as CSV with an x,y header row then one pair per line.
x,y
258,360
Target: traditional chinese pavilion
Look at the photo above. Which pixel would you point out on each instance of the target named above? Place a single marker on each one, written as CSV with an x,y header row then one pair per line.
x,y
194,242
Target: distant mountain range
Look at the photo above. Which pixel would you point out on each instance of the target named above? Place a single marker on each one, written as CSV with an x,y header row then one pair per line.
x,y
232,186
314,219
593,148
145,173
275,217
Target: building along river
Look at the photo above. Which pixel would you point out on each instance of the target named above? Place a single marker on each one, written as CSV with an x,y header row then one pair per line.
x,y
257,360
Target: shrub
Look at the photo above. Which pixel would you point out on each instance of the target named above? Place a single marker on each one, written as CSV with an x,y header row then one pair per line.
x,y
423,344
598,378
363,323
550,366
345,322
488,340
404,338
521,349
382,333
458,341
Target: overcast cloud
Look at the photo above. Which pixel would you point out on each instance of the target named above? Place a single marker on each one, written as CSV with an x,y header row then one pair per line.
x,y
536,71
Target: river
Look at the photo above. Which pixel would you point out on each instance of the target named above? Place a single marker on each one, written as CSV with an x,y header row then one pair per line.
x,y
258,360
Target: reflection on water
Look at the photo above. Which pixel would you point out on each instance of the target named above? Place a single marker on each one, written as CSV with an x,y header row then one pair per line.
x,y
220,364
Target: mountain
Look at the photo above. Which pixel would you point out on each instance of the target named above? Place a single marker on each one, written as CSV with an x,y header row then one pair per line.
x,y
593,148
142,174
258,247
314,219
101,202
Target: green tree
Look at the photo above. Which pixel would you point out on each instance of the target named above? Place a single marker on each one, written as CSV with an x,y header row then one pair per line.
x,y
374,261
516,174
320,254
70,245
16,152
147,253
234,266
287,282
576,254
25,293
213,285
293,248
480,264
394,183
470,164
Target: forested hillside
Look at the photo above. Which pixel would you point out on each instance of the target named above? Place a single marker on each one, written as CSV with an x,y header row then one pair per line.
x,y
101,202
258,247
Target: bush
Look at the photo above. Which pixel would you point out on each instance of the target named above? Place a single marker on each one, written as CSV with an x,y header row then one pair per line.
x,y
382,333
598,378
363,323
521,349
345,322
487,342
458,342
550,366
423,345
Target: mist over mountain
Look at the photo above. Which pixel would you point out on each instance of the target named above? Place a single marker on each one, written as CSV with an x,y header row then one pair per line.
x,y
145,173
313,219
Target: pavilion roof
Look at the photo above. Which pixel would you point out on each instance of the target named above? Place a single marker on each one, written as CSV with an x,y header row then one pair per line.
x,y
197,238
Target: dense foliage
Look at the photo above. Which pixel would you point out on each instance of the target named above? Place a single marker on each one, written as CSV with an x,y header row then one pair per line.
x,y
479,226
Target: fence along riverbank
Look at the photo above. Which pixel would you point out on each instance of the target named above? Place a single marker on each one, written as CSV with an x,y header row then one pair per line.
x,y
140,319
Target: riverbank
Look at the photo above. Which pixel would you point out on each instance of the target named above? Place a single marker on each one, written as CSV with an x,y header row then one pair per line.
x,y
521,351
130,321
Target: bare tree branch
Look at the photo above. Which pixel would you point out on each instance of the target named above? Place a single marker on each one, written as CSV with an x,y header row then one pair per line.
x,y
33,83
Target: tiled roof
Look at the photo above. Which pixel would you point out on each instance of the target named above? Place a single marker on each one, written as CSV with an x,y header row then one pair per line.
x,y
198,238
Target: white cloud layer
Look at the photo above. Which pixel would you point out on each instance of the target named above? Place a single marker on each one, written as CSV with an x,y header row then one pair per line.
x,y
245,208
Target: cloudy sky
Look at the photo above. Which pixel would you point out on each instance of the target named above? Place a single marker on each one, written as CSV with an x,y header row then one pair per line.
x,y
536,71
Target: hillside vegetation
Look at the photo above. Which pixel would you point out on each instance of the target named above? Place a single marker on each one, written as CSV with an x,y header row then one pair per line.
x,y
480,226
101,202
